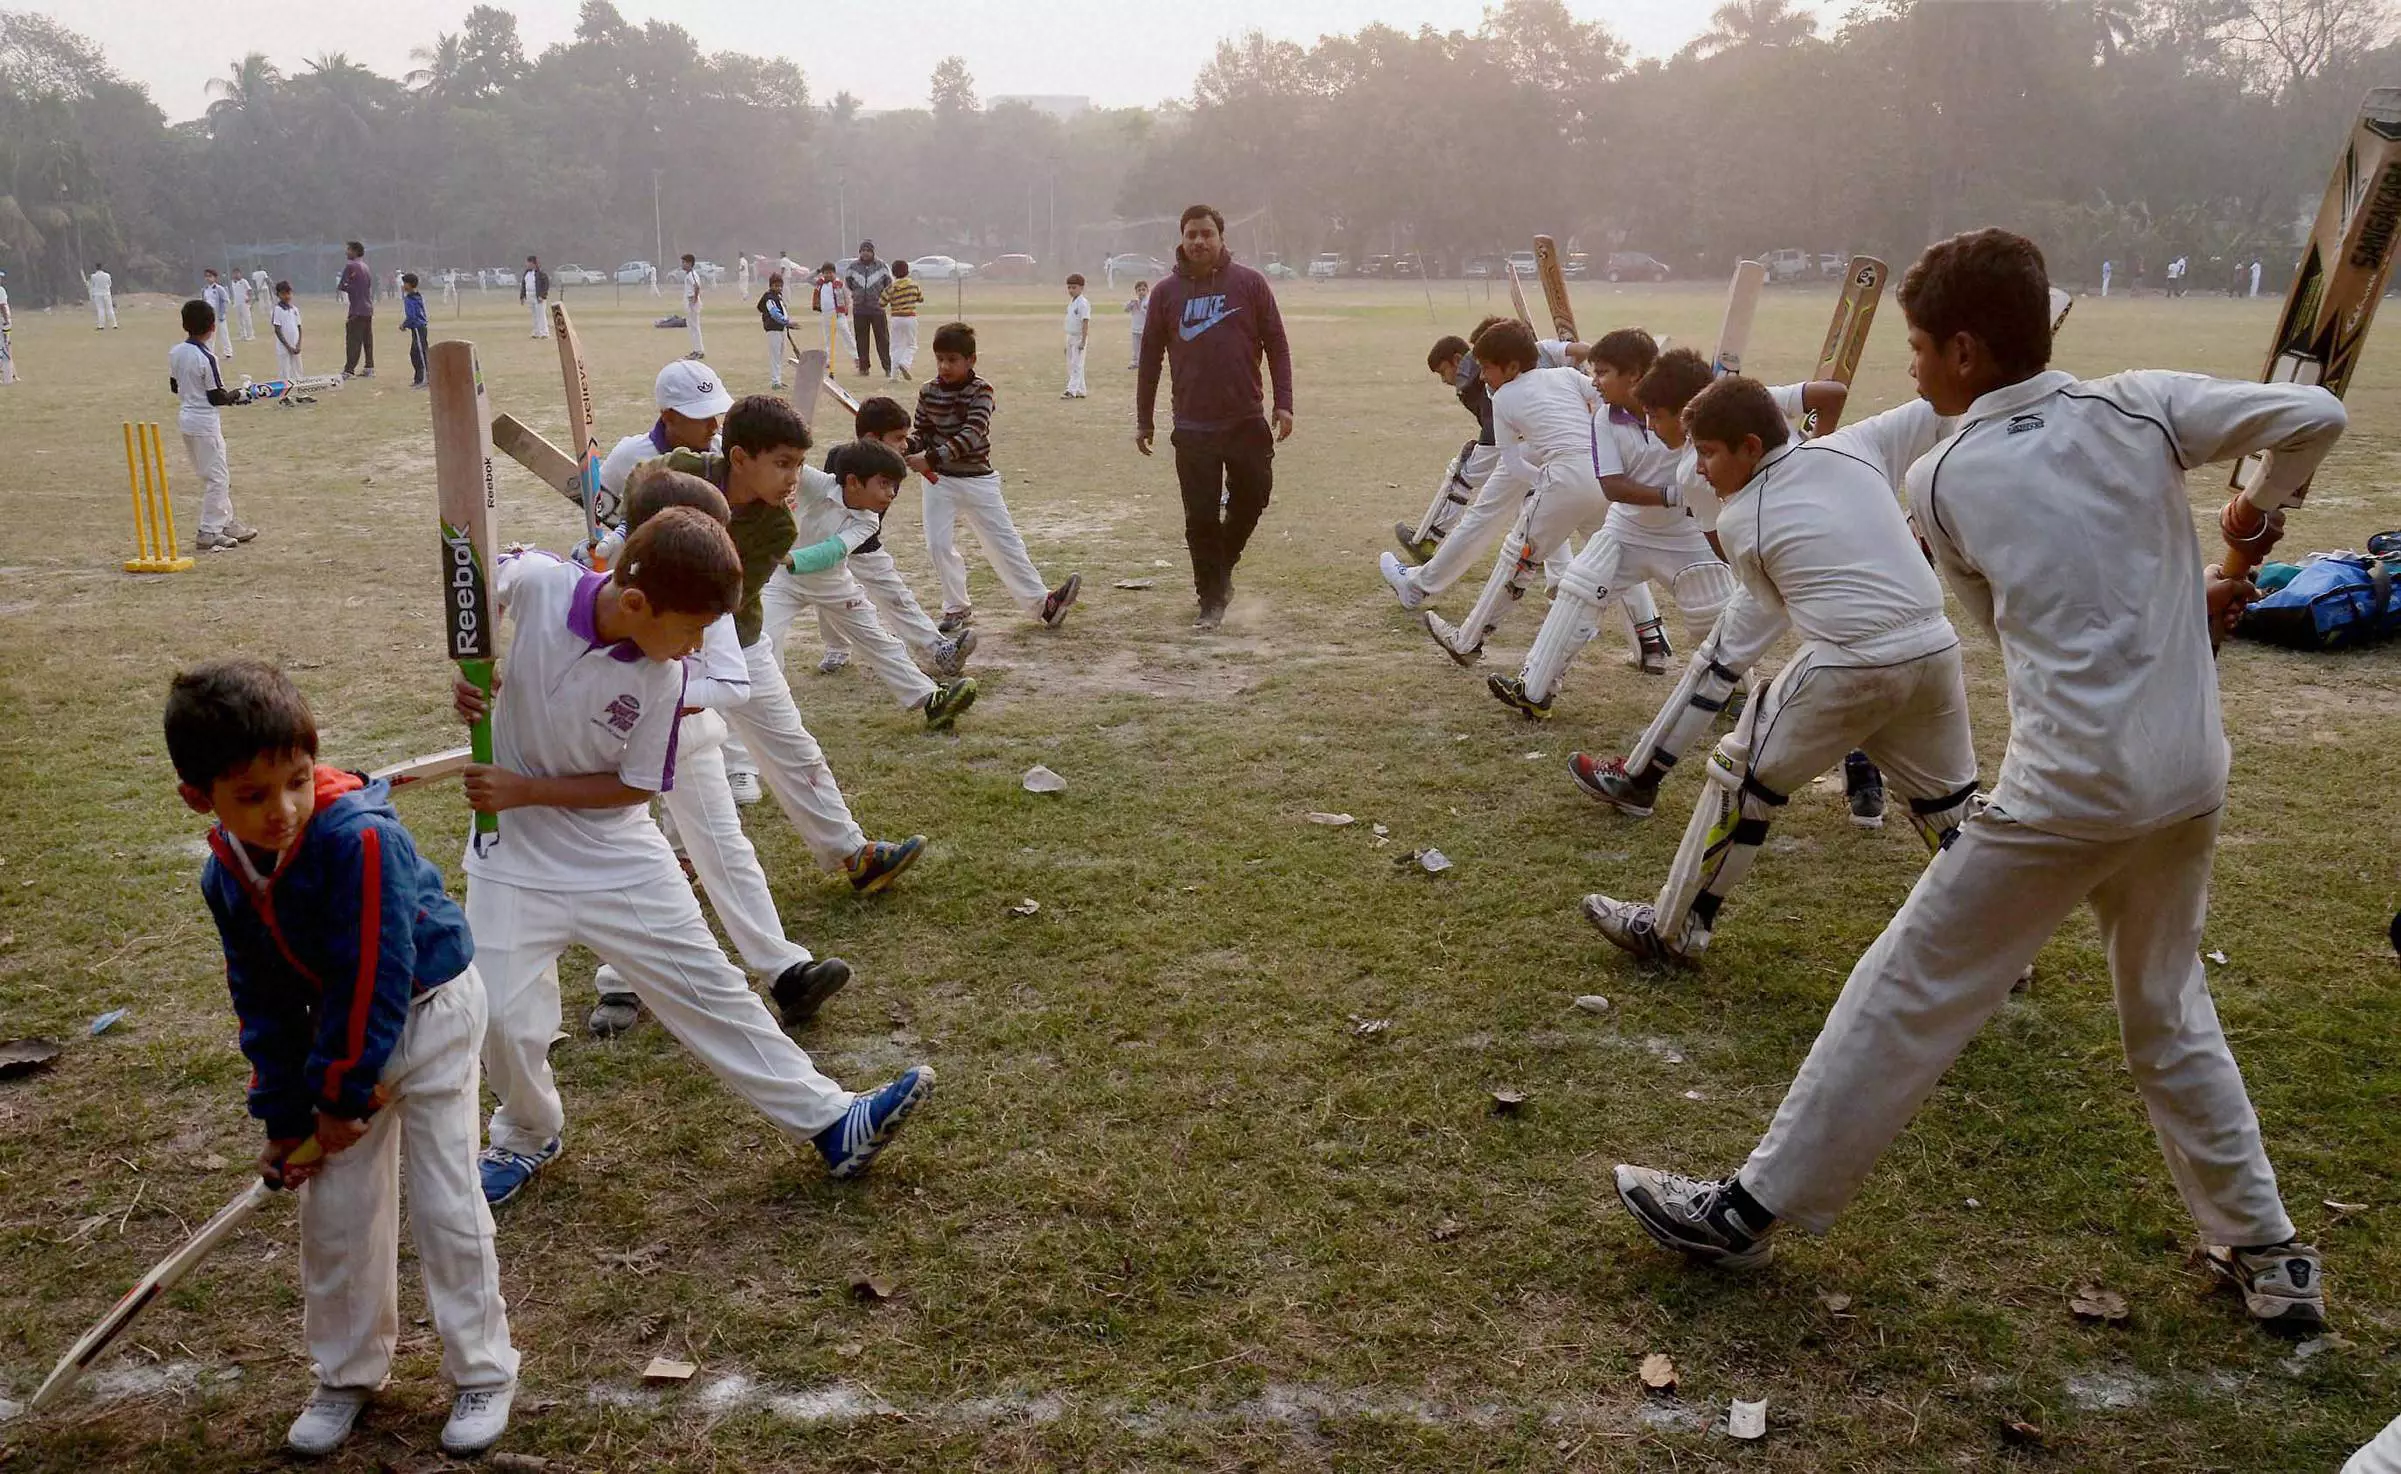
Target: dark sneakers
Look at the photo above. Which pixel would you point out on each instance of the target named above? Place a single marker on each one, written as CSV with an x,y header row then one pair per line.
x,y
1695,1217
1864,782
947,702
1055,607
801,989
1607,780
879,862
1511,692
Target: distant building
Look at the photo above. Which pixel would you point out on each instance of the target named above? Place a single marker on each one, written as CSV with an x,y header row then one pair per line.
x,y
1057,105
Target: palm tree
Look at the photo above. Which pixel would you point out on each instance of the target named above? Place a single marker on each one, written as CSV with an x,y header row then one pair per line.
x,y
2115,23
246,90
438,66
1739,24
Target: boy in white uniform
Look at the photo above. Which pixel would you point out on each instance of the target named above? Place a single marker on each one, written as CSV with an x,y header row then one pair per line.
x,y
1819,543
1449,361
692,306
1079,335
284,323
8,327
192,374
220,302
262,286
838,512
896,607
2110,791
708,824
583,734
104,298
241,307
1137,308
353,975
692,402
532,290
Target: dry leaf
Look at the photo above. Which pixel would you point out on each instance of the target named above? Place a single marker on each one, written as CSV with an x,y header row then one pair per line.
x,y
666,1369
1434,862
1506,1102
1747,1420
1026,907
1379,830
640,1261
1593,1003
2218,957
1658,1372
2021,1434
2091,1302
1694,1095
528,1463
1835,1301
1332,821
2346,1207
1447,1230
1039,779
870,1289
211,1163
1136,583
1368,1028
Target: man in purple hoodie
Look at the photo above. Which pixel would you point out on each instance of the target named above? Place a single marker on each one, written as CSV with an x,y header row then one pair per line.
x,y
1213,320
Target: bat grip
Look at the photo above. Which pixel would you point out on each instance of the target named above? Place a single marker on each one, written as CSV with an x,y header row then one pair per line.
x,y
478,673
2250,534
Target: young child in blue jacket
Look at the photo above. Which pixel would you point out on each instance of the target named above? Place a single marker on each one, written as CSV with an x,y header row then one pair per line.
x,y
353,975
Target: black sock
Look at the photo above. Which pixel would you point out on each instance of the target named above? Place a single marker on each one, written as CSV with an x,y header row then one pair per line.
x,y
1753,1215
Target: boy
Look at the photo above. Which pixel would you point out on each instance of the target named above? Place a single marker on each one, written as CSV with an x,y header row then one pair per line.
x,y
1819,544
104,298
413,322
284,322
766,445
825,299
952,449
583,733
1136,310
708,823
362,1014
1079,335
220,302
2110,790
241,307
8,327
692,306
896,607
840,510
692,402
192,375
772,318
902,302
533,289
1449,361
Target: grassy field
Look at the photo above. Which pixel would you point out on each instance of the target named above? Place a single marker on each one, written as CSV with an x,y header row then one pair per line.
x,y
1172,1207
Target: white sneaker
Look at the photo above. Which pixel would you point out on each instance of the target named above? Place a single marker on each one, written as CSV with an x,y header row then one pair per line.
x,y
477,1419
745,787
1404,587
834,661
214,542
325,1423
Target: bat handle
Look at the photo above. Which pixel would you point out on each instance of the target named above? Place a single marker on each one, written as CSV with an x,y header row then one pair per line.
x,y
2250,534
478,673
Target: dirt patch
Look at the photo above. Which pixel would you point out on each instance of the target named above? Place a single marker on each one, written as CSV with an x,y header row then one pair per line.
x,y
1133,672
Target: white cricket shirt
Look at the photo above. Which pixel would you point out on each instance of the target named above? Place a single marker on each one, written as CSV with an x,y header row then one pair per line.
x,y
1623,446
2060,517
1547,415
192,369
1079,312
617,467
569,705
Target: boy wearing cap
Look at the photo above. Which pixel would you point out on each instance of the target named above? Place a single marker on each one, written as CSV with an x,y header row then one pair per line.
x,y
692,306
692,401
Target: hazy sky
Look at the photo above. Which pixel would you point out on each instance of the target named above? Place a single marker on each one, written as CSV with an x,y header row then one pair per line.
x,y
1118,52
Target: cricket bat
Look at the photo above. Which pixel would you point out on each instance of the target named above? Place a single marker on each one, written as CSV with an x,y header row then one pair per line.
x,y
1846,335
1517,295
1554,288
465,500
2061,305
551,466
2344,265
427,768
808,380
581,441
163,1276
1734,327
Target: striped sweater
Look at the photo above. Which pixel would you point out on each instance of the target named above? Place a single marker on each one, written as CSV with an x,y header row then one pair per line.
x,y
904,297
954,427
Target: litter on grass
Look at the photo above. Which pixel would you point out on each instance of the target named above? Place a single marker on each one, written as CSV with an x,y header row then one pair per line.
x,y
108,1021
24,1056
1332,821
1039,779
1747,1420
665,1369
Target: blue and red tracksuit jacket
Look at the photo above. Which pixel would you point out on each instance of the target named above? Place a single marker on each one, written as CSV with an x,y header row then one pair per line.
x,y
326,955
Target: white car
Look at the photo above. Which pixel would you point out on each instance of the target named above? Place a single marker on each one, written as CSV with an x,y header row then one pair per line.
x,y
633,273
940,268
1327,265
499,276
1527,267
579,276
708,271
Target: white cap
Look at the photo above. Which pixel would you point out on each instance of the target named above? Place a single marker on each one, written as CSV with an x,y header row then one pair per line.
x,y
691,389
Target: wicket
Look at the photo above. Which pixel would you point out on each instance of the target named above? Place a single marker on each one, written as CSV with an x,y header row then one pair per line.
x,y
146,477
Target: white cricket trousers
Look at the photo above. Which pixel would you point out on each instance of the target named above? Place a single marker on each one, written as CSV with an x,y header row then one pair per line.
x,y
708,829
790,762
1133,357
350,1213
287,364
977,499
1602,571
692,326
896,607
653,936
843,607
904,342
1946,964
243,325
104,310
541,316
1075,367
206,450
775,360
2382,1455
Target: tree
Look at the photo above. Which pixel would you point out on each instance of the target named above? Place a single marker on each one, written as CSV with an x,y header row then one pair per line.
x,y
1738,24
491,56
953,90
2292,42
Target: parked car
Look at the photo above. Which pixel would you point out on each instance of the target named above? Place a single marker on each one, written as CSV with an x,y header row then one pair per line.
x,y
1014,267
709,272
579,276
1526,266
1379,264
1277,271
1408,268
940,268
1789,265
1576,266
633,273
1636,266
499,276
1833,264
1326,265
1481,266
1132,264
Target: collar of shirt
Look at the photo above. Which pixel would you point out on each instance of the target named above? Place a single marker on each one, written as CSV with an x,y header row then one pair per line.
x,y
658,435
583,619
1772,458
2010,398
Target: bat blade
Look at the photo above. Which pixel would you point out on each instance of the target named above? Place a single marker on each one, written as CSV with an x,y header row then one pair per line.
x,y
1734,326
1517,294
834,391
1554,288
1846,335
466,500
551,466
581,440
2061,305
427,768
808,380
2344,268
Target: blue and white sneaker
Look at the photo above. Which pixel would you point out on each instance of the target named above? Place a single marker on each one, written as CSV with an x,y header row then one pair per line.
x,y
505,1173
850,1145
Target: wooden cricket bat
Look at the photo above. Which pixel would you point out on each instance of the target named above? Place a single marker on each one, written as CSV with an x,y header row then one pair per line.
x,y
1734,327
1846,335
1554,288
1517,294
2344,266
427,768
808,380
2061,305
581,439
551,466
465,499
162,1277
